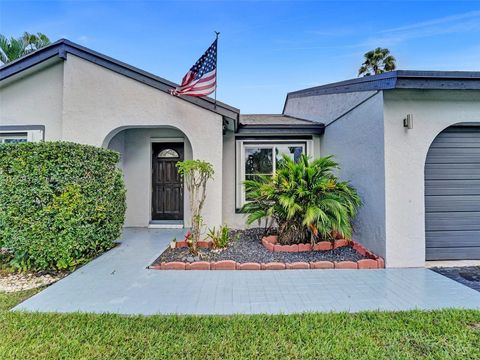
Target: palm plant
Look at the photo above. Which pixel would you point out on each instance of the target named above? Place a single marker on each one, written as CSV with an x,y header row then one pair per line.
x,y
14,48
305,200
376,62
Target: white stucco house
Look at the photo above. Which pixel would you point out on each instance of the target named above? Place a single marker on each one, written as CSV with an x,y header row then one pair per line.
x,y
409,141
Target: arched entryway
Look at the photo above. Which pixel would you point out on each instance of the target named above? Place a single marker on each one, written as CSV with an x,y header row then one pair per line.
x,y
452,194
155,192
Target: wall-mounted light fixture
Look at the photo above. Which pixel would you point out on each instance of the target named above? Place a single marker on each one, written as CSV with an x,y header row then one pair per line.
x,y
408,121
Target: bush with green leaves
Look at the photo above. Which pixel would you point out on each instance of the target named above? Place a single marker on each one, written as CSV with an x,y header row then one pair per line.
x,y
61,204
305,200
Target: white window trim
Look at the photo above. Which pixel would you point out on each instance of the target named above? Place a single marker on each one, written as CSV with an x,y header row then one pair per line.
x,y
241,145
32,135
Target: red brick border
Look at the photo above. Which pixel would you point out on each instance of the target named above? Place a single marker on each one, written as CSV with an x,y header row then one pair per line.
x,y
232,265
270,242
205,244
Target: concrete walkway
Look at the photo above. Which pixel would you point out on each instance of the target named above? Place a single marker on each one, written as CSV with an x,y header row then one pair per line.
x,y
118,282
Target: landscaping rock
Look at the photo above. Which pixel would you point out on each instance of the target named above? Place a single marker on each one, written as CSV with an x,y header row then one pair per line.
x,y
23,281
249,248
467,275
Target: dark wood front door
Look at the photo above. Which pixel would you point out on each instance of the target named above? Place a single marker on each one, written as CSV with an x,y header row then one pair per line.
x,y
167,185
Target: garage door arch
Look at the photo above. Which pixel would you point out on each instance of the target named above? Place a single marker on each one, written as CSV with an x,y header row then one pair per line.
x,y
452,194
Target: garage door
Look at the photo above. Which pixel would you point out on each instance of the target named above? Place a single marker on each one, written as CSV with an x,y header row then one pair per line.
x,y
452,195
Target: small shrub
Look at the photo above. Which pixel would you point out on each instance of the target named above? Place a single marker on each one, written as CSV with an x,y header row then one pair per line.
x,y
220,238
61,203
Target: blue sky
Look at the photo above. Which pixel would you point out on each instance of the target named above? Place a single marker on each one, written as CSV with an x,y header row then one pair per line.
x,y
267,48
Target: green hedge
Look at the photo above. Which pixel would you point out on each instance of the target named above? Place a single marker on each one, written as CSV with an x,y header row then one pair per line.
x,y
61,203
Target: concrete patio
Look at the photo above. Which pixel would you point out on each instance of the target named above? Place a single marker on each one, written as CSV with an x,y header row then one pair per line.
x,y
119,282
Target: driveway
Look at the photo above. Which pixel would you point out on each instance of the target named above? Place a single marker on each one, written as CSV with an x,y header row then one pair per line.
x,y
119,282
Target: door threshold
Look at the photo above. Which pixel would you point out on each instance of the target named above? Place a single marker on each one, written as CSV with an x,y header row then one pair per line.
x,y
165,224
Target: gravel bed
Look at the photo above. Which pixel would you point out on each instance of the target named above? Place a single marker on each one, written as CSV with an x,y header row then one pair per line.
x,y
11,282
248,248
466,275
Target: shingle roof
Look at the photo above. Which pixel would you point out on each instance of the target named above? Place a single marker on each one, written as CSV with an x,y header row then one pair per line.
x,y
63,46
268,124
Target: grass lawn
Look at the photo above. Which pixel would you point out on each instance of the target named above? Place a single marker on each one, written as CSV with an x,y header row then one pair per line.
x,y
451,334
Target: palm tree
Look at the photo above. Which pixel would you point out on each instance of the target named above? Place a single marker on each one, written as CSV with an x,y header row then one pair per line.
x,y
376,62
14,48
304,199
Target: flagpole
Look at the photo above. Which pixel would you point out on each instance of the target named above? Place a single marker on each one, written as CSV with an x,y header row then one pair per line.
x,y
216,69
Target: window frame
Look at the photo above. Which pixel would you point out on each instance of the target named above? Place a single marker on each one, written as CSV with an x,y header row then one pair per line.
x,y
31,135
240,199
18,135
176,156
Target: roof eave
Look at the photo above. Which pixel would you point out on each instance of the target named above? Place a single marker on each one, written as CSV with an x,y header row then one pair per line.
x,y
400,79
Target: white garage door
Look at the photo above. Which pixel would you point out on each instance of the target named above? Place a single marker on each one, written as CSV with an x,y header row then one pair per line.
x,y
452,195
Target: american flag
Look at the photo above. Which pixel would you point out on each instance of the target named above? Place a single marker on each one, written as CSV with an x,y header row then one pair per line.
x,y
201,79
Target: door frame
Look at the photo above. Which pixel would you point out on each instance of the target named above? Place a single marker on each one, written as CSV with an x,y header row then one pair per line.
x,y
154,140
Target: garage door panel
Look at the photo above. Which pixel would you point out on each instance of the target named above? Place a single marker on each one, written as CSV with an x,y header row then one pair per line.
x,y
452,187
454,155
460,131
449,142
455,159
459,253
452,221
452,203
452,172
443,239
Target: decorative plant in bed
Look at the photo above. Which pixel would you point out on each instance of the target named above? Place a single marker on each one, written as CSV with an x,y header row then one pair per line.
x,y
308,216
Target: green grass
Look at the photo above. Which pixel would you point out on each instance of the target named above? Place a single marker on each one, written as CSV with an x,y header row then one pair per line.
x,y
9,300
452,334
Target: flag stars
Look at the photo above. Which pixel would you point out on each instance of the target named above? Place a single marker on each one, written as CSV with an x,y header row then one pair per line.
x,y
196,82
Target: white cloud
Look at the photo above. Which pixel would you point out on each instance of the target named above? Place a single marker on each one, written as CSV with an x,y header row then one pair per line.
x,y
461,23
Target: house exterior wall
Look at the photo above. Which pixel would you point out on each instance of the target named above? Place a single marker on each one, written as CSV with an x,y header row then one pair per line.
x,y
35,99
356,141
230,216
99,103
324,108
405,154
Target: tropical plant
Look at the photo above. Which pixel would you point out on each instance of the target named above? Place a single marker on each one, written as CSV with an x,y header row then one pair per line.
x,y
376,62
14,48
196,173
220,238
305,199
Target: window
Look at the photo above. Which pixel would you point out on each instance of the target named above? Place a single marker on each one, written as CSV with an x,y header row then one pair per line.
x,y
263,158
12,138
19,134
168,153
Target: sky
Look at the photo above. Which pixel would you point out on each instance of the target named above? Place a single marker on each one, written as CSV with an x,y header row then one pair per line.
x,y
266,48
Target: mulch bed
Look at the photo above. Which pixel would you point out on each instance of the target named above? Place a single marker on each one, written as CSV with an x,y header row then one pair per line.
x,y
248,248
466,275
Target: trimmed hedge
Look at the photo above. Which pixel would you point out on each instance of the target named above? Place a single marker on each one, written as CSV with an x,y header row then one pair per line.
x,y
61,204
